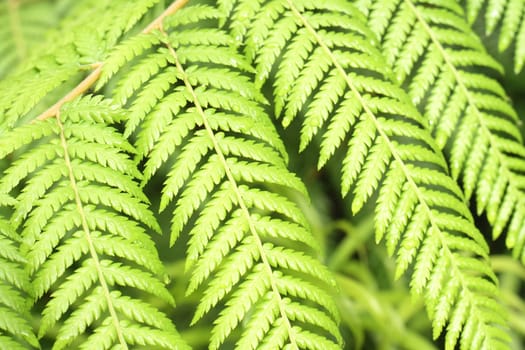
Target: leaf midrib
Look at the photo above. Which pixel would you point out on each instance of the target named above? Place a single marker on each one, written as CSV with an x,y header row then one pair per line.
x,y
89,239
238,195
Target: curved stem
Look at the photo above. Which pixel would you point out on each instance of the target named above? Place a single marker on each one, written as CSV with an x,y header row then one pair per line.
x,y
92,78
89,239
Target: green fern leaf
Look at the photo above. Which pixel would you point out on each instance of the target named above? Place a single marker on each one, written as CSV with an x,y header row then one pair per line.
x,y
15,331
250,247
434,59
506,17
325,67
74,170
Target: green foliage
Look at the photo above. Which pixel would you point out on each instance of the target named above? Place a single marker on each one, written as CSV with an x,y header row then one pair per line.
x,y
246,158
507,18
15,330
23,26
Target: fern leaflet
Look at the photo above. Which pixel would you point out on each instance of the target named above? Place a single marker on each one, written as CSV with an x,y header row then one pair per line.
x,y
324,66
15,331
507,18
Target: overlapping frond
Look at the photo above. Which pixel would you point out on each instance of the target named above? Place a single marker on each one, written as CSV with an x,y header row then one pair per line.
x,y
506,18
15,330
326,70
85,222
448,75
250,250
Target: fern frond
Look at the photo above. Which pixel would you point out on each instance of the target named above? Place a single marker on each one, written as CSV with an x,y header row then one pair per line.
x,y
325,67
84,222
250,248
15,331
504,17
444,67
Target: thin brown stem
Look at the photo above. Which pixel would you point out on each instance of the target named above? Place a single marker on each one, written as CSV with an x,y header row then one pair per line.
x,y
92,78
157,23
77,91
